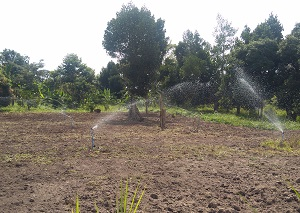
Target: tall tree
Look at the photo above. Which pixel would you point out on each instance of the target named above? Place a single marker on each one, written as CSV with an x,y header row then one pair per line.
x,y
110,78
270,28
194,58
138,41
246,35
224,42
23,75
5,90
74,79
169,73
224,38
288,76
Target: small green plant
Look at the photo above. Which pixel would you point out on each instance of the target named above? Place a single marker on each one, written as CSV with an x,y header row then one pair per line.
x,y
295,191
77,208
290,145
122,201
248,204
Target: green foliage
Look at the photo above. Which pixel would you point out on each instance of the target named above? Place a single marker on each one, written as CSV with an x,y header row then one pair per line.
x,y
295,191
224,39
77,207
107,98
169,73
110,78
73,80
270,29
260,62
122,203
5,90
139,43
288,92
23,75
207,113
197,73
194,58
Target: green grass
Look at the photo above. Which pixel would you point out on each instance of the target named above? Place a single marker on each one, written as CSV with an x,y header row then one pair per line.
x,y
122,203
22,157
291,144
295,191
205,113
244,119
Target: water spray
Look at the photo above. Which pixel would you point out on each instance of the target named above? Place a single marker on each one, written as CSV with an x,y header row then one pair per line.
x,y
68,116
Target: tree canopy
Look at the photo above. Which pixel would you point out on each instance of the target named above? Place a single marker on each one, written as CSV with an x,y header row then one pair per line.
x,y
138,41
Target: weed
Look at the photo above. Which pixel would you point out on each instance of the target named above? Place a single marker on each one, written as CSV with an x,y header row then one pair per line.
x,y
294,190
77,208
122,203
249,205
291,145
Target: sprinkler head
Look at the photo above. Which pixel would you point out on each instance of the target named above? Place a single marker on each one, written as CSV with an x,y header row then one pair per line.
x,y
93,140
282,139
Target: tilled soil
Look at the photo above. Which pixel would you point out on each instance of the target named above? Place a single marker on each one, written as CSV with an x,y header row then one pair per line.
x,y
46,159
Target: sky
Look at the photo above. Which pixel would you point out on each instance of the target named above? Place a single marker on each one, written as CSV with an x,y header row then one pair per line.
x,y
51,29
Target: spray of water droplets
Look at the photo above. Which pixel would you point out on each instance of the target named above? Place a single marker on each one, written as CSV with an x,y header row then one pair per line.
x,y
247,88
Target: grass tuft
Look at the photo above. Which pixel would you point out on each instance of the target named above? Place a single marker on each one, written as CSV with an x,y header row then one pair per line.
x,y
290,145
122,201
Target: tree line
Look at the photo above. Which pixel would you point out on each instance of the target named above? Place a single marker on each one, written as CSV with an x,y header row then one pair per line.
x,y
190,73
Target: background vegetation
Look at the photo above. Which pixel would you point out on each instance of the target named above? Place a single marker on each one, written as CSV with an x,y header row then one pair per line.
x,y
191,73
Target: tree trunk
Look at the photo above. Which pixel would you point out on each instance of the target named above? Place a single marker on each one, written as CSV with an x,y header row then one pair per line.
x,y
134,113
261,111
238,110
162,114
147,105
216,106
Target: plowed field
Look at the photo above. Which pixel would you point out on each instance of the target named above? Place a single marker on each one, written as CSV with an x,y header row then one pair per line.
x,y
46,160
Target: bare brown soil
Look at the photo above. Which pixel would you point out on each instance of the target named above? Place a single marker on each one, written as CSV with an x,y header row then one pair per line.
x,y
45,162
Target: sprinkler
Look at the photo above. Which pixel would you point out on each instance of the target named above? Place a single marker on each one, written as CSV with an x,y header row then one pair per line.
x,y
282,138
92,134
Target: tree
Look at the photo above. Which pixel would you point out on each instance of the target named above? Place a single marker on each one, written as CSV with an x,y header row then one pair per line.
x,y
138,41
271,29
5,90
257,54
225,40
168,73
74,80
23,75
246,35
110,78
194,58
288,74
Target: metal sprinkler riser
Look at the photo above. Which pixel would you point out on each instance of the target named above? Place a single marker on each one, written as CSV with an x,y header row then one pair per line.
x,y
93,141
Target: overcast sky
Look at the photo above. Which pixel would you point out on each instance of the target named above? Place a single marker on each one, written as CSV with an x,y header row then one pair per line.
x,y
50,29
